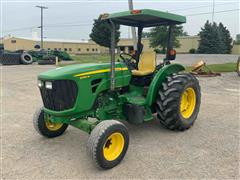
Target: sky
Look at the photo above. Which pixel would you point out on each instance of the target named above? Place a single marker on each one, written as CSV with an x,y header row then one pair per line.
x,y
73,19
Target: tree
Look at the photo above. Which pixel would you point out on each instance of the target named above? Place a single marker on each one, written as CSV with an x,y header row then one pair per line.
x,y
159,36
1,48
237,41
226,38
101,33
214,39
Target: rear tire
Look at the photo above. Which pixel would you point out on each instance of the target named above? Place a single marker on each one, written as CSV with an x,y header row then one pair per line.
x,y
108,143
46,62
178,101
10,59
46,128
26,58
238,66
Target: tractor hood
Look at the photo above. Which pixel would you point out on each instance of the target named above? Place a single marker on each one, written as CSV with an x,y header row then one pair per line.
x,y
74,70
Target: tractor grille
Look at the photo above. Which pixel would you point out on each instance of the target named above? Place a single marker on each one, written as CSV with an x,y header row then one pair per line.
x,y
61,97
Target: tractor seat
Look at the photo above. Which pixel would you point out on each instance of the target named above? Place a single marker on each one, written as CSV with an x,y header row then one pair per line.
x,y
146,65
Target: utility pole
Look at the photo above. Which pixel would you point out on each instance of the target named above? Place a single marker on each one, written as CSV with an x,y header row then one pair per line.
x,y
213,11
130,4
41,7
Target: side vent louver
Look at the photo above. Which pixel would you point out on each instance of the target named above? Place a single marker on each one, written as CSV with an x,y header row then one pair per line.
x,y
95,84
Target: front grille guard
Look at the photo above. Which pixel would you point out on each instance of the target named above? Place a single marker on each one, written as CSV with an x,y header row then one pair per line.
x,y
61,97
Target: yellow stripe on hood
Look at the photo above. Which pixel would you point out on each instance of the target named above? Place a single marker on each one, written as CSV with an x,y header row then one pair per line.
x,y
100,71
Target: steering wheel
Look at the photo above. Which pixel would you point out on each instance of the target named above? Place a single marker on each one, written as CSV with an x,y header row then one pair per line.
x,y
129,60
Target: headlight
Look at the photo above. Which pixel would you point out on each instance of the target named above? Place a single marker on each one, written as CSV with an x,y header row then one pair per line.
x,y
48,85
40,83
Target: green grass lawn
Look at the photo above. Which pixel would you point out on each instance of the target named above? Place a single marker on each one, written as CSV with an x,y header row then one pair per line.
x,y
91,58
227,67
80,59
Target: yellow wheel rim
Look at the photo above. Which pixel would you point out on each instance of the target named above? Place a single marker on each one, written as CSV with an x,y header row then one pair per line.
x,y
113,146
188,102
53,126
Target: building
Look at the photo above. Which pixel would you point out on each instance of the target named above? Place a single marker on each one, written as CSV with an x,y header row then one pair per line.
x,y
12,43
77,47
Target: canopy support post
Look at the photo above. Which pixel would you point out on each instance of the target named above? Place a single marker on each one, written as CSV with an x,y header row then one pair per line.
x,y
113,43
169,41
139,44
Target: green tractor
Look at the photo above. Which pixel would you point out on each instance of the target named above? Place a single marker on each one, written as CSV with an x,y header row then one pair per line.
x,y
97,98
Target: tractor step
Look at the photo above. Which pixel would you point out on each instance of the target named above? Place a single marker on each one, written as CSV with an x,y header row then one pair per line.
x,y
137,100
137,114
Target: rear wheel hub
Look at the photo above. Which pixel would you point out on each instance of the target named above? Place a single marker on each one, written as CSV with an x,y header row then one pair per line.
x,y
188,102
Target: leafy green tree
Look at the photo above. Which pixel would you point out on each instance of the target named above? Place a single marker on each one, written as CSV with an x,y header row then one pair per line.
x,y
226,38
237,42
214,39
101,33
159,37
1,46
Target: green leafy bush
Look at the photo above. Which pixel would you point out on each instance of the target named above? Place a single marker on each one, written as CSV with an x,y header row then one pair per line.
x,y
62,55
192,51
36,55
39,55
49,57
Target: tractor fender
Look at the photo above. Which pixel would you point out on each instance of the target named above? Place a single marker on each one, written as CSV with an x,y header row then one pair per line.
x,y
159,78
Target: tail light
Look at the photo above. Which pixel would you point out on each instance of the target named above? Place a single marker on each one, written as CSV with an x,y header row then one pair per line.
x,y
136,12
171,55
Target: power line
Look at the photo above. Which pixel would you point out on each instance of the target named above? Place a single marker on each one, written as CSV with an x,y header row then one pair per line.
x,y
66,23
20,29
69,25
199,7
182,9
171,10
73,25
230,10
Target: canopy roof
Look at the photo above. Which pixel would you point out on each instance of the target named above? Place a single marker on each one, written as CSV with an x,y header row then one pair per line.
x,y
144,18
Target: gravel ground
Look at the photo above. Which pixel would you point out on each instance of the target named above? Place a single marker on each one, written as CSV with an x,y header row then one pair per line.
x,y
208,150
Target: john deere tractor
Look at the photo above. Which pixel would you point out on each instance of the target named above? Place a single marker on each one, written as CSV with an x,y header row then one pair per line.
x,y
98,98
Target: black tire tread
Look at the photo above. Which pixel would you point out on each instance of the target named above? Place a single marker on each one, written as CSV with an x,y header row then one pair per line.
x,y
46,62
168,99
24,61
10,58
38,125
95,137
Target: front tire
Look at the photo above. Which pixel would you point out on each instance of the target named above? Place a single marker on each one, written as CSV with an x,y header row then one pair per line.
x,y
178,101
45,127
108,143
